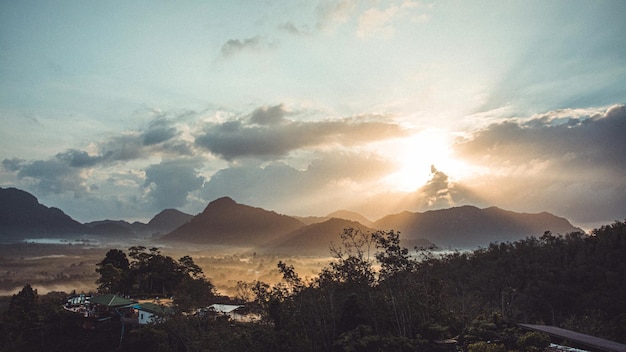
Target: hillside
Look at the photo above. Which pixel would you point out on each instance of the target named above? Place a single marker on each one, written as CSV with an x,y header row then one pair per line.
x,y
314,239
224,221
352,216
469,226
339,214
22,216
164,222
168,220
111,228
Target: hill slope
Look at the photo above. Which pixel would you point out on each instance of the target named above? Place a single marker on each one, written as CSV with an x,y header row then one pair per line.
x,y
168,220
314,239
22,216
224,221
470,227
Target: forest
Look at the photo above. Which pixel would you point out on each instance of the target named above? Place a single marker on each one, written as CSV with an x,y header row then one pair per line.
x,y
374,295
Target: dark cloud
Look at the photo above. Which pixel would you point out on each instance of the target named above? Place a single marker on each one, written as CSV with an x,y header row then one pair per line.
x,y
572,166
257,43
125,147
13,164
159,130
170,182
269,115
157,136
268,134
68,171
53,176
592,142
78,158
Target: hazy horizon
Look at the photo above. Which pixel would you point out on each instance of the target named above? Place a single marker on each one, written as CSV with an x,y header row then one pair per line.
x,y
119,110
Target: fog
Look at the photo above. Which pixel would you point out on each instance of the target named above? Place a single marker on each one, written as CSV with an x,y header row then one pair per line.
x,y
69,265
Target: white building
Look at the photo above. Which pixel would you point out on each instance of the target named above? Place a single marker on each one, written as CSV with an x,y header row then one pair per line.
x,y
148,312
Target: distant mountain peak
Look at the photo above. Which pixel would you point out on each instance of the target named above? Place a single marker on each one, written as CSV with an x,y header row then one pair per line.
x,y
350,215
225,221
21,215
469,226
223,202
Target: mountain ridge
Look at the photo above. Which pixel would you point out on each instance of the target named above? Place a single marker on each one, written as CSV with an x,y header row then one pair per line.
x,y
22,215
468,226
227,222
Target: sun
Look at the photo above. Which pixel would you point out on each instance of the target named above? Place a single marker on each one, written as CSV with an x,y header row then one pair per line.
x,y
416,154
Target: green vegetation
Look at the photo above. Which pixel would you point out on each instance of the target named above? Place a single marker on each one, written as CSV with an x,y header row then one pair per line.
x,y
374,296
149,273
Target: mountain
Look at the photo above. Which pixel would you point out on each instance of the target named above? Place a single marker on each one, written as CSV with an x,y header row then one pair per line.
x,y
226,222
22,216
339,214
168,220
309,220
111,227
164,222
350,215
314,239
470,227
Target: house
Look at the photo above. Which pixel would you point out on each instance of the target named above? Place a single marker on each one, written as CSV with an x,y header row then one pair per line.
x,y
105,307
233,312
111,301
149,312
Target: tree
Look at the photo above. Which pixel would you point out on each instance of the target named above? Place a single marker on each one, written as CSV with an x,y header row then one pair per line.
x,y
393,258
533,342
25,301
113,270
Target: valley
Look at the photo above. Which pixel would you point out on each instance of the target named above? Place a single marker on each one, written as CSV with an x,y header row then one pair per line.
x,y
63,267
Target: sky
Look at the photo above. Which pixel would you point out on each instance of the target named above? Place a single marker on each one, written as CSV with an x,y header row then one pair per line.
x,y
120,109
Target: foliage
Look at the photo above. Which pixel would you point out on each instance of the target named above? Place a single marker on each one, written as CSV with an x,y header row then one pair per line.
x,y
483,346
475,296
533,342
34,323
151,273
374,295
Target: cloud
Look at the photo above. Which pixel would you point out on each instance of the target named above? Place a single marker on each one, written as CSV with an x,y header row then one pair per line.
x,y
52,176
266,134
160,137
160,130
440,192
78,158
594,141
170,182
330,12
257,43
291,28
278,186
570,165
70,171
269,115
375,21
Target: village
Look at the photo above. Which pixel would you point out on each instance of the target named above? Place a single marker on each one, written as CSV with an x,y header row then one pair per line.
x,y
134,313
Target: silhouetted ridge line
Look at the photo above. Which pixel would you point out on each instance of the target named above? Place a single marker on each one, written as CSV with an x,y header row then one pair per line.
x,y
225,221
